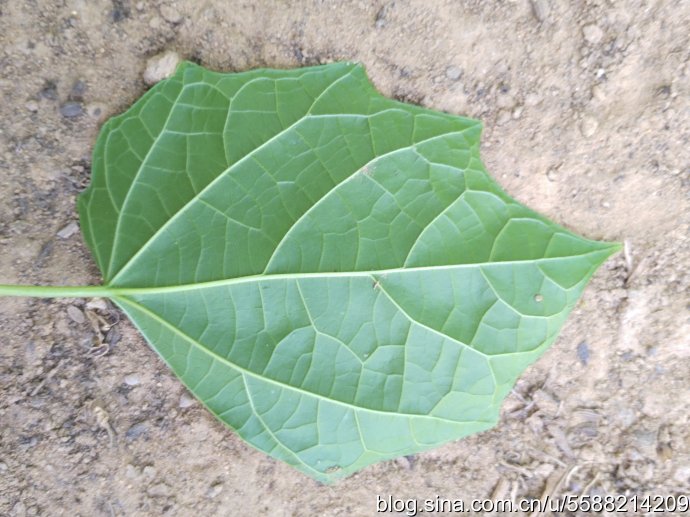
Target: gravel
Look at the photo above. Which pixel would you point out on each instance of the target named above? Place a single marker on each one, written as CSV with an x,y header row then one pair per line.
x,y
75,314
185,401
588,126
160,67
170,14
541,10
132,379
136,431
593,34
67,231
453,73
71,109
583,352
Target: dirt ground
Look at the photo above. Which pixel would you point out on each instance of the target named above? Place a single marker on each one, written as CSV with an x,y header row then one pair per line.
x,y
587,120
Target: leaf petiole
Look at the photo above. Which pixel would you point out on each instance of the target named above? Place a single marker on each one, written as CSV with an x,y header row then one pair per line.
x,y
47,291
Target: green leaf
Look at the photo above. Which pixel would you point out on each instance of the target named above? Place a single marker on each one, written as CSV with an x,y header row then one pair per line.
x,y
332,273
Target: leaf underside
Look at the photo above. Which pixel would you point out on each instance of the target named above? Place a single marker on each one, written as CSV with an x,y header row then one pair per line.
x,y
332,273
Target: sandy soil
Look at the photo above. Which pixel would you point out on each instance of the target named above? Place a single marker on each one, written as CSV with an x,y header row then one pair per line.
x,y
587,120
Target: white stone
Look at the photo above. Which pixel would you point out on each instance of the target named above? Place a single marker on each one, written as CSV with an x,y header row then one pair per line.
x,y
170,14
588,126
592,33
75,314
541,9
505,101
97,304
161,66
453,73
185,401
68,231
132,379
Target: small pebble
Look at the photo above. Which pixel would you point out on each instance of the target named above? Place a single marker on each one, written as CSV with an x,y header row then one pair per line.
x,y
159,490
214,490
517,112
552,174
588,126
380,20
583,352
19,509
160,67
97,111
113,336
155,22
75,314
598,93
505,101
97,304
77,92
132,379
136,431
406,462
503,117
131,471
453,73
682,474
532,99
592,33
119,12
71,109
69,230
540,9
185,401
150,471
32,106
49,91
170,14
625,416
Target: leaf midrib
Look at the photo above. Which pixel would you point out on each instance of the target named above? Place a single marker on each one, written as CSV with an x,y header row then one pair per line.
x,y
114,290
